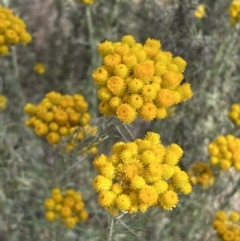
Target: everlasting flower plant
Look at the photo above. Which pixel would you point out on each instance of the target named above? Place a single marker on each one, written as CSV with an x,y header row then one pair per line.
x,y
139,175
57,115
225,152
234,12
139,80
12,30
67,206
227,226
201,173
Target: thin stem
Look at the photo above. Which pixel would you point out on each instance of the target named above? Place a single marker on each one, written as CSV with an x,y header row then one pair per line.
x,y
16,80
94,56
110,235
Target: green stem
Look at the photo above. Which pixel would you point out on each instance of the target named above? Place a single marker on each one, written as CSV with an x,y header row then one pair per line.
x,y
16,85
94,57
110,235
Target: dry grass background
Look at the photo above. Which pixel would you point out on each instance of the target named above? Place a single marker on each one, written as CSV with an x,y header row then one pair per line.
x,y
65,38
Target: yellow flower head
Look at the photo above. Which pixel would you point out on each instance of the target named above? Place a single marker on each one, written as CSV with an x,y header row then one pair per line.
x,y
148,111
200,12
102,183
144,70
123,202
165,98
168,200
116,85
39,68
148,195
106,198
100,76
126,113
129,39
234,12
3,102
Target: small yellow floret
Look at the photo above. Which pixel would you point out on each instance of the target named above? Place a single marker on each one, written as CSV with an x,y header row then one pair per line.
x,y
126,113
39,68
168,200
106,198
123,202
148,195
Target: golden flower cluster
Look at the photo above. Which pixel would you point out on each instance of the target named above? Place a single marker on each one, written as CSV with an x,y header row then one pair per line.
x,y
139,80
139,175
200,12
66,206
57,115
225,152
234,114
3,102
201,173
227,226
12,30
234,12
39,68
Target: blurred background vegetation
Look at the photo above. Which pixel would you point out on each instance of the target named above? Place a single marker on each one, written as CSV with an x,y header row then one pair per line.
x,y
65,38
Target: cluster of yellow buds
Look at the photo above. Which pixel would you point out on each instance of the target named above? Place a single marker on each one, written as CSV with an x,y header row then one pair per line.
x,y
39,68
139,80
3,102
12,30
225,152
201,173
200,12
139,175
227,226
89,2
67,206
234,12
57,115
234,114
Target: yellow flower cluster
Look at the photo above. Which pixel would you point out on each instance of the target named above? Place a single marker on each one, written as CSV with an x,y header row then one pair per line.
x,y
225,152
3,102
66,206
139,175
89,2
227,226
39,68
200,12
12,30
234,12
139,80
201,173
234,114
57,115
